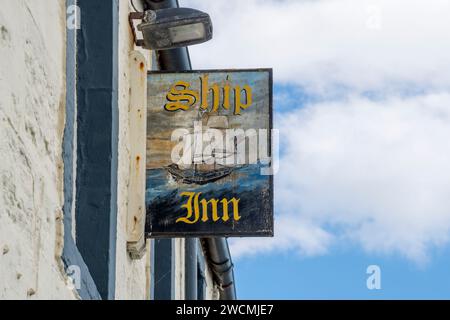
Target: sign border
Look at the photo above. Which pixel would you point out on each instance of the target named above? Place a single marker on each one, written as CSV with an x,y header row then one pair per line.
x,y
268,233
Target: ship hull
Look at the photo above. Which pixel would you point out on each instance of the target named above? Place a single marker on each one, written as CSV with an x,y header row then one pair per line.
x,y
190,176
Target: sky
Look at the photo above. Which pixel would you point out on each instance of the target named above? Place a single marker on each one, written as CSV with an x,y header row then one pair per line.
x,y
362,102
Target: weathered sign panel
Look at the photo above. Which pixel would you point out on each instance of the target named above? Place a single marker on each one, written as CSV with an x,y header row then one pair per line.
x,y
208,149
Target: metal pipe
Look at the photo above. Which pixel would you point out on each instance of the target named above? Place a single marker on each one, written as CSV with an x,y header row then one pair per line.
x,y
178,60
219,259
191,269
161,4
217,250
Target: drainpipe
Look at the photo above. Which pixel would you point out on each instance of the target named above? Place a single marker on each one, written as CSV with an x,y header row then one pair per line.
x,y
178,60
217,250
219,259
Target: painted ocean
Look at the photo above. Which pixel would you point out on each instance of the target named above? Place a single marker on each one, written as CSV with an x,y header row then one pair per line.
x,y
210,198
164,201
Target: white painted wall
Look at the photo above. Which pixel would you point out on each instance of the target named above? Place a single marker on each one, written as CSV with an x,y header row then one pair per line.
x,y
132,280
32,120
132,276
32,113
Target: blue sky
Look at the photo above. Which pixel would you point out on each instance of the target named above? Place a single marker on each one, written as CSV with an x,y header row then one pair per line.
x,y
340,275
342,272
362,101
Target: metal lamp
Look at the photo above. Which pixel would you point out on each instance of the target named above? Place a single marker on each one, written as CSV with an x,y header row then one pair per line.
x,y
173,28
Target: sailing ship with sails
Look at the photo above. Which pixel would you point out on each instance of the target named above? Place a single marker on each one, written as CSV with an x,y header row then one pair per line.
x,y
203,172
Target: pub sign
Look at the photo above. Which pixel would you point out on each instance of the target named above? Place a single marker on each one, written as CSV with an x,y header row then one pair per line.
x,y
209,154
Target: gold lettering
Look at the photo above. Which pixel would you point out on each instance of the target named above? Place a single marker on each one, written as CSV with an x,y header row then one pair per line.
x,y
192,206
180,97
226,95
188,206
238,104
236,215
177,96
205,93
205,204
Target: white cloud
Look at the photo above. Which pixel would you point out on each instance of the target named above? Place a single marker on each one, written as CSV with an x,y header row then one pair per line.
x,y
375,172
292,233
327,45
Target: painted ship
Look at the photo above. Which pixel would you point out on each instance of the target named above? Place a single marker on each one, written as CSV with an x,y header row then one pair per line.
x,y
204,173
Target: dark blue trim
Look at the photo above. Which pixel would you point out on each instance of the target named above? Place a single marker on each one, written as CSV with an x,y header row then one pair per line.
x,y
97,120
191,269
114,147
71,255
163,257
164,264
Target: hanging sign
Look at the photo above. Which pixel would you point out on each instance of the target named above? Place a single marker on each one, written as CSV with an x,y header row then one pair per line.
x,y
209,154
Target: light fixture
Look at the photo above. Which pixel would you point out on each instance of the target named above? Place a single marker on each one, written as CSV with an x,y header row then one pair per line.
x,y
172,28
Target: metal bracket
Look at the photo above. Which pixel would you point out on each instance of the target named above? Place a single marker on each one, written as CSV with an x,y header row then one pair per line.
x,y
131,18
138,148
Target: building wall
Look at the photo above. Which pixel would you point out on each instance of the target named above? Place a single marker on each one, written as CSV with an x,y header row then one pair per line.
x,y
32,113
32,116
131,277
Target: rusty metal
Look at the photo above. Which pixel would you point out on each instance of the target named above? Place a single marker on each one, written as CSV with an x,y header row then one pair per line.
x,y
133,16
